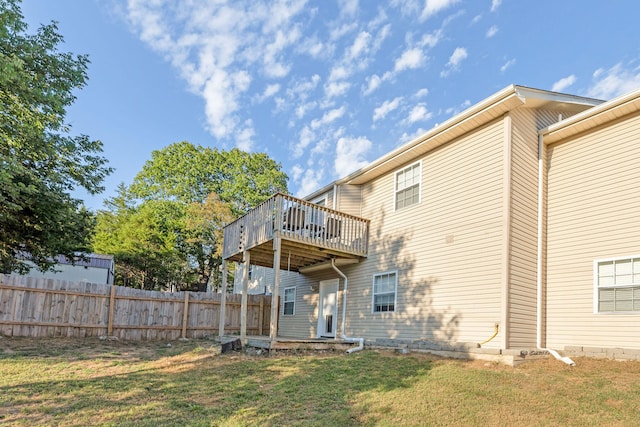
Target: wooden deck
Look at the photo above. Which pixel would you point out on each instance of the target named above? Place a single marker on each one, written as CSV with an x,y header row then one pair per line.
x,y
308,234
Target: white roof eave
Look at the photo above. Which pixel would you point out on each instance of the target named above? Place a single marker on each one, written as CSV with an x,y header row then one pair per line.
x,y
605,112
481,113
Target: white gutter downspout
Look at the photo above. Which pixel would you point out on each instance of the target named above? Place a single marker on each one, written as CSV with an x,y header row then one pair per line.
x,y
360,341
539,275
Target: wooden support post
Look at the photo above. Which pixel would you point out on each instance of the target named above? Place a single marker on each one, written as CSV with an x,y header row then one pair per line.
x,y
223,300
112,310
245,297
185,314
277,247
260,316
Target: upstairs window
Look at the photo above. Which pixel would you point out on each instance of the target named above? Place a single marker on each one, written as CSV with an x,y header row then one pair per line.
x,y
384,292
407,186
289,302
617,283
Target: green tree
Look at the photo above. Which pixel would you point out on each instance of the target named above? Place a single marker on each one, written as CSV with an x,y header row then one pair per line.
x,y
189,173
145,241
209,186
203,238
40,162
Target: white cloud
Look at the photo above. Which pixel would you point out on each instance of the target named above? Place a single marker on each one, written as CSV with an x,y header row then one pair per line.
x,y
418,113
421,93
360,45
373,82
299,92
386,107
356,58
563,83
218,47
302,109
342,30
350,154
492,31
613,82
309,180
410,59
406,137
476,19
380,37
495,4
339,72
333,89
221,92
306,137
312,47
456,58
432,39
452,111
348,7
507,65
244,138
269,91
296,172
303,88
328,117
431,7
320,148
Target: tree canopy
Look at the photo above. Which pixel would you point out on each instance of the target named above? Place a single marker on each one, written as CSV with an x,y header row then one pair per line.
x,y
41,163
189,173
166,228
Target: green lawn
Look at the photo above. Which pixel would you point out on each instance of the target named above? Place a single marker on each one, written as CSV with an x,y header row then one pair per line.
x,y
90,382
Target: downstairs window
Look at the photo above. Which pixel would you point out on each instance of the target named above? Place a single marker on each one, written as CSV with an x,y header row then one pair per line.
x,y
289,302
384,292
617,283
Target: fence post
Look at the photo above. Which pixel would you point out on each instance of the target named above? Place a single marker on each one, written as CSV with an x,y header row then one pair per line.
x,y
112,309
245,294
261,315
223,300
185,314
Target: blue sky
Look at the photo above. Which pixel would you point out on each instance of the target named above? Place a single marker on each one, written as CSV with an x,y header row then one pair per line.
x,y
324,86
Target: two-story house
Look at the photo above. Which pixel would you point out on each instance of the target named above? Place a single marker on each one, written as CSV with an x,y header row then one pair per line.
x,y
508,228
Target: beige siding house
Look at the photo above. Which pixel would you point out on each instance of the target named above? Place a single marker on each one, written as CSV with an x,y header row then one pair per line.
x,y
464,250
592,275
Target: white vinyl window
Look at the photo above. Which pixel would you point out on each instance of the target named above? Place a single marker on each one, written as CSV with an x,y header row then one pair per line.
x,y
617,285
289,302
385,287
407,185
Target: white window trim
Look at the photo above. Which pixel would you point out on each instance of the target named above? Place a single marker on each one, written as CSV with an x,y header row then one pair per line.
x,y
373,292
596,286
320,199
284,301
395,184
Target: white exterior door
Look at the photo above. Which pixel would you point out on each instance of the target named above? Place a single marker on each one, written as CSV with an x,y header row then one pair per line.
x,y
328,308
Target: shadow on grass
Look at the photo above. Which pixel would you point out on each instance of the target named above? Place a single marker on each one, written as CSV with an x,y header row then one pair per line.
x,y
200,389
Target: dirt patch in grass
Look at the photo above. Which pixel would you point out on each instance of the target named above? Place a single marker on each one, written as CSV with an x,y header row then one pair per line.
x,y
89,348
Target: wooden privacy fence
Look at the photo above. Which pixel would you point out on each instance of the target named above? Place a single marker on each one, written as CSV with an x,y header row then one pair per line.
x,y
38,307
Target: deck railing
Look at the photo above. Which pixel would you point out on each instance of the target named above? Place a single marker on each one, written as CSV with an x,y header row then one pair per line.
x,y
297,220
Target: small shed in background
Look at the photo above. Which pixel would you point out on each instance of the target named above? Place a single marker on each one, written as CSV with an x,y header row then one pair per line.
x,y
92,268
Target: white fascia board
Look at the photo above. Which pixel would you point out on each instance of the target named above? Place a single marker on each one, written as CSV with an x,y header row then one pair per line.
x,y
607,111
